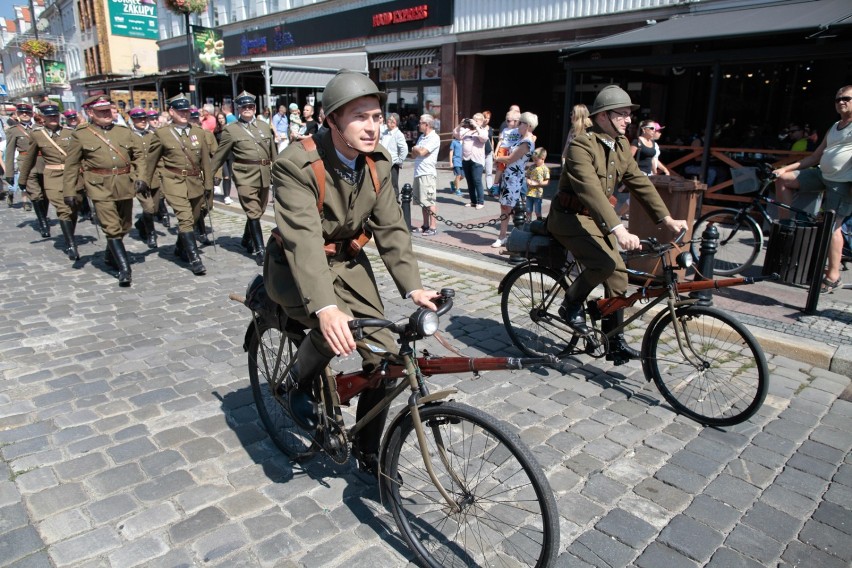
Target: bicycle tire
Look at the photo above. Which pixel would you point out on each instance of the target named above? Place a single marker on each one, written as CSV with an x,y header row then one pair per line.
x,y
508,513
740,240
534,328
273,408
728,384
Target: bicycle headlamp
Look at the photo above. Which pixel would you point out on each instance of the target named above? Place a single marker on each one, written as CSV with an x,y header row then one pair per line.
x,y
425,322
684,259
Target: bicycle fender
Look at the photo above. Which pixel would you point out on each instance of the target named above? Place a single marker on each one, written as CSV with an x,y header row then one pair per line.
x,y
247,338
646,347
510,274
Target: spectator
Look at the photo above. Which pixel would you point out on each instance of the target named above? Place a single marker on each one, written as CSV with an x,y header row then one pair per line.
x,y
295,122
117,117
320,117
264,116
644,149
834,173
514,175
164,119
509,137
228,110
394,142
456,161
425,153
512,110
659,168
580,121
309,125
208,119
281,128
537,179
473,135
489,149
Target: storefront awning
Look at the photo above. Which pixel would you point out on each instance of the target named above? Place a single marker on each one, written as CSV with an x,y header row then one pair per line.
x,y
811,16
299,78
402,58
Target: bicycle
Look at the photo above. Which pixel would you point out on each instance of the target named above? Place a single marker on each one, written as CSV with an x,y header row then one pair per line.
x,y
740,236
461,485
705,363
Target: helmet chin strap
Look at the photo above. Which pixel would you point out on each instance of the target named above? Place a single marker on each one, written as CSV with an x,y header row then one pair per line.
x,y
615,131
342,137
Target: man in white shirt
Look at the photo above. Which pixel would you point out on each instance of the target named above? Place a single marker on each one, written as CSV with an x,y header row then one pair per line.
x,y
425,154
394,142
281,127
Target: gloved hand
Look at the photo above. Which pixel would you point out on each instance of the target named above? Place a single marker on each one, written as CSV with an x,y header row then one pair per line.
x,y
217,181
70,201
142,188
208,194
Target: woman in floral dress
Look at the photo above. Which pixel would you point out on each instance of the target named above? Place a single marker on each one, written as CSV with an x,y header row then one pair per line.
x,y
514,181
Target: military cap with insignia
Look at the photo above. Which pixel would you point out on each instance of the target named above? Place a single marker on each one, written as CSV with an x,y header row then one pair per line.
x,y
179,102
24,107
137,112
48,109
98,101
70,114
153,114
245,99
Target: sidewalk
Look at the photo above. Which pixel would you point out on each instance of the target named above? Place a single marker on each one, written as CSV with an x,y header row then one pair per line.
x,y
773,312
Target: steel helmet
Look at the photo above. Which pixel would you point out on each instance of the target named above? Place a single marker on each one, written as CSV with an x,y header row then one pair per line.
x,y
611,97
347,86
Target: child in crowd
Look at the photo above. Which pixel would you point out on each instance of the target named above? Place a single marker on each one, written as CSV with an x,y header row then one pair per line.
x,y
456,161
537,179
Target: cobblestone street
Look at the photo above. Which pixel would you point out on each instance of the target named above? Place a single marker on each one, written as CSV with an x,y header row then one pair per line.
x,y
129,437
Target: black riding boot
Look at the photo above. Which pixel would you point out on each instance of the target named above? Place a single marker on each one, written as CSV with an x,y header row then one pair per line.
x,y
257,240
202,232
619,352
366,443
85,209
70,246
310,362
41,216
247,240
151,233
164,214
119,254
142,228
575,317
190,249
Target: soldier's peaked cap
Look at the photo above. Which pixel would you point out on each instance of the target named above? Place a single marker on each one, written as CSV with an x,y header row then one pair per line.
x,y
48,109
137,112
153,114
70,113
244,99
98,101
24,107
179,102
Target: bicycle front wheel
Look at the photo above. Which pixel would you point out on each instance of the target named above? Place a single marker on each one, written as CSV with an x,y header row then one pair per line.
x,y
270,351
505,513
530,304
740,240
707,365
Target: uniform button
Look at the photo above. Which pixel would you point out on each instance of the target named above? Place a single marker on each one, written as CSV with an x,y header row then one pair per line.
x,y
609,176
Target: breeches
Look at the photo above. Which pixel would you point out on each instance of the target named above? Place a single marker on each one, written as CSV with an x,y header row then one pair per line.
x,y
35,185
150,204
601,262
54,196
187,210
253,200
115,217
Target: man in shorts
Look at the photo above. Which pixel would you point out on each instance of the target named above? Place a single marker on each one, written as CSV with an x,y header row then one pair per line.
x,y
834,174
425,154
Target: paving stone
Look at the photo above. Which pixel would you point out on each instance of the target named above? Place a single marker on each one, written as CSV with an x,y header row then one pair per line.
x,y
713,513
56,499
603,489
755,544
148,520
19,543
584,464
627,528
111,508
775,523
579,509
803,483
832,437
139,552
827,539
799,554
792,503
601,550
681,478
658,555
88,545
669,497
220,543
695,540
735,492
116,479
192,527
750,472
727,558
164,487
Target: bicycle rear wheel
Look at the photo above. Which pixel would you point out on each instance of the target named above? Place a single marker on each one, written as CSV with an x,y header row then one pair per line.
x,y
717,377
507,513
530,304
271,390
740,240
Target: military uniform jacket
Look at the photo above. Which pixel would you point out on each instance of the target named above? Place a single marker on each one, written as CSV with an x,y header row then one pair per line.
x,y
145,140
89,152
52,154
347,207
165,147
18,138
593,170
254,142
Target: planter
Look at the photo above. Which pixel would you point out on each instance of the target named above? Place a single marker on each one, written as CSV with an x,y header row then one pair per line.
x,y
38,48
187,6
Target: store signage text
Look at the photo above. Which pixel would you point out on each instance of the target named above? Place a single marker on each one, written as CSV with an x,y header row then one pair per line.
x,y
399,16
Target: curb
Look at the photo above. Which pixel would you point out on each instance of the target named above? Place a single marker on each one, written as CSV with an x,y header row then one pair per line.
x,y
834,359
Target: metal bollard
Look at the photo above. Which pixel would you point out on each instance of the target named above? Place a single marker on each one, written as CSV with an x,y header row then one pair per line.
x,y
709,245
405,194
519,215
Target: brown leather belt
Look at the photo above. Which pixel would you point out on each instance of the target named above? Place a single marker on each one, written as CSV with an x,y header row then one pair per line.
x,y
184,173
254,162
54,166
110,172
348,248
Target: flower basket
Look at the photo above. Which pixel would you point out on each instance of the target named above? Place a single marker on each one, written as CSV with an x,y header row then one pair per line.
x,y
38,48
187,6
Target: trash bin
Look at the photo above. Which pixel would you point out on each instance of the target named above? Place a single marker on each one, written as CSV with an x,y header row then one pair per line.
x,y
792,251
681,197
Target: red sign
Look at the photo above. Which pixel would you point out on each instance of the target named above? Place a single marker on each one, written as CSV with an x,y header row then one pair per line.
x,y
400,16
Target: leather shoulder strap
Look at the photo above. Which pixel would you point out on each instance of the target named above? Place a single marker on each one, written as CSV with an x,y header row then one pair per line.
x,y
319,170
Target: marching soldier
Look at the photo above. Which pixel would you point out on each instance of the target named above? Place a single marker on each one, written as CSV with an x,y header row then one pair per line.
x,y
254,149
111,159
162,213
72,121
212,146
51,142
185,173
150,201
18,138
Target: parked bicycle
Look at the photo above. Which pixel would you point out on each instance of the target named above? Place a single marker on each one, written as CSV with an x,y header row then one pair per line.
x,y
463,488
740,235
705,363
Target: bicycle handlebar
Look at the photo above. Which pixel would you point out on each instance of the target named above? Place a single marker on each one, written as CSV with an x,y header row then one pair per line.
x,y
653,245
444,303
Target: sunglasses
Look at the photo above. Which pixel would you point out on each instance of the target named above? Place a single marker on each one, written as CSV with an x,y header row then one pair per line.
x,y
621,114
843,99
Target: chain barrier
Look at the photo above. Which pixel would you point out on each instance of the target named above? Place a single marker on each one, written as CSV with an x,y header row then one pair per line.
x,y
450,223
